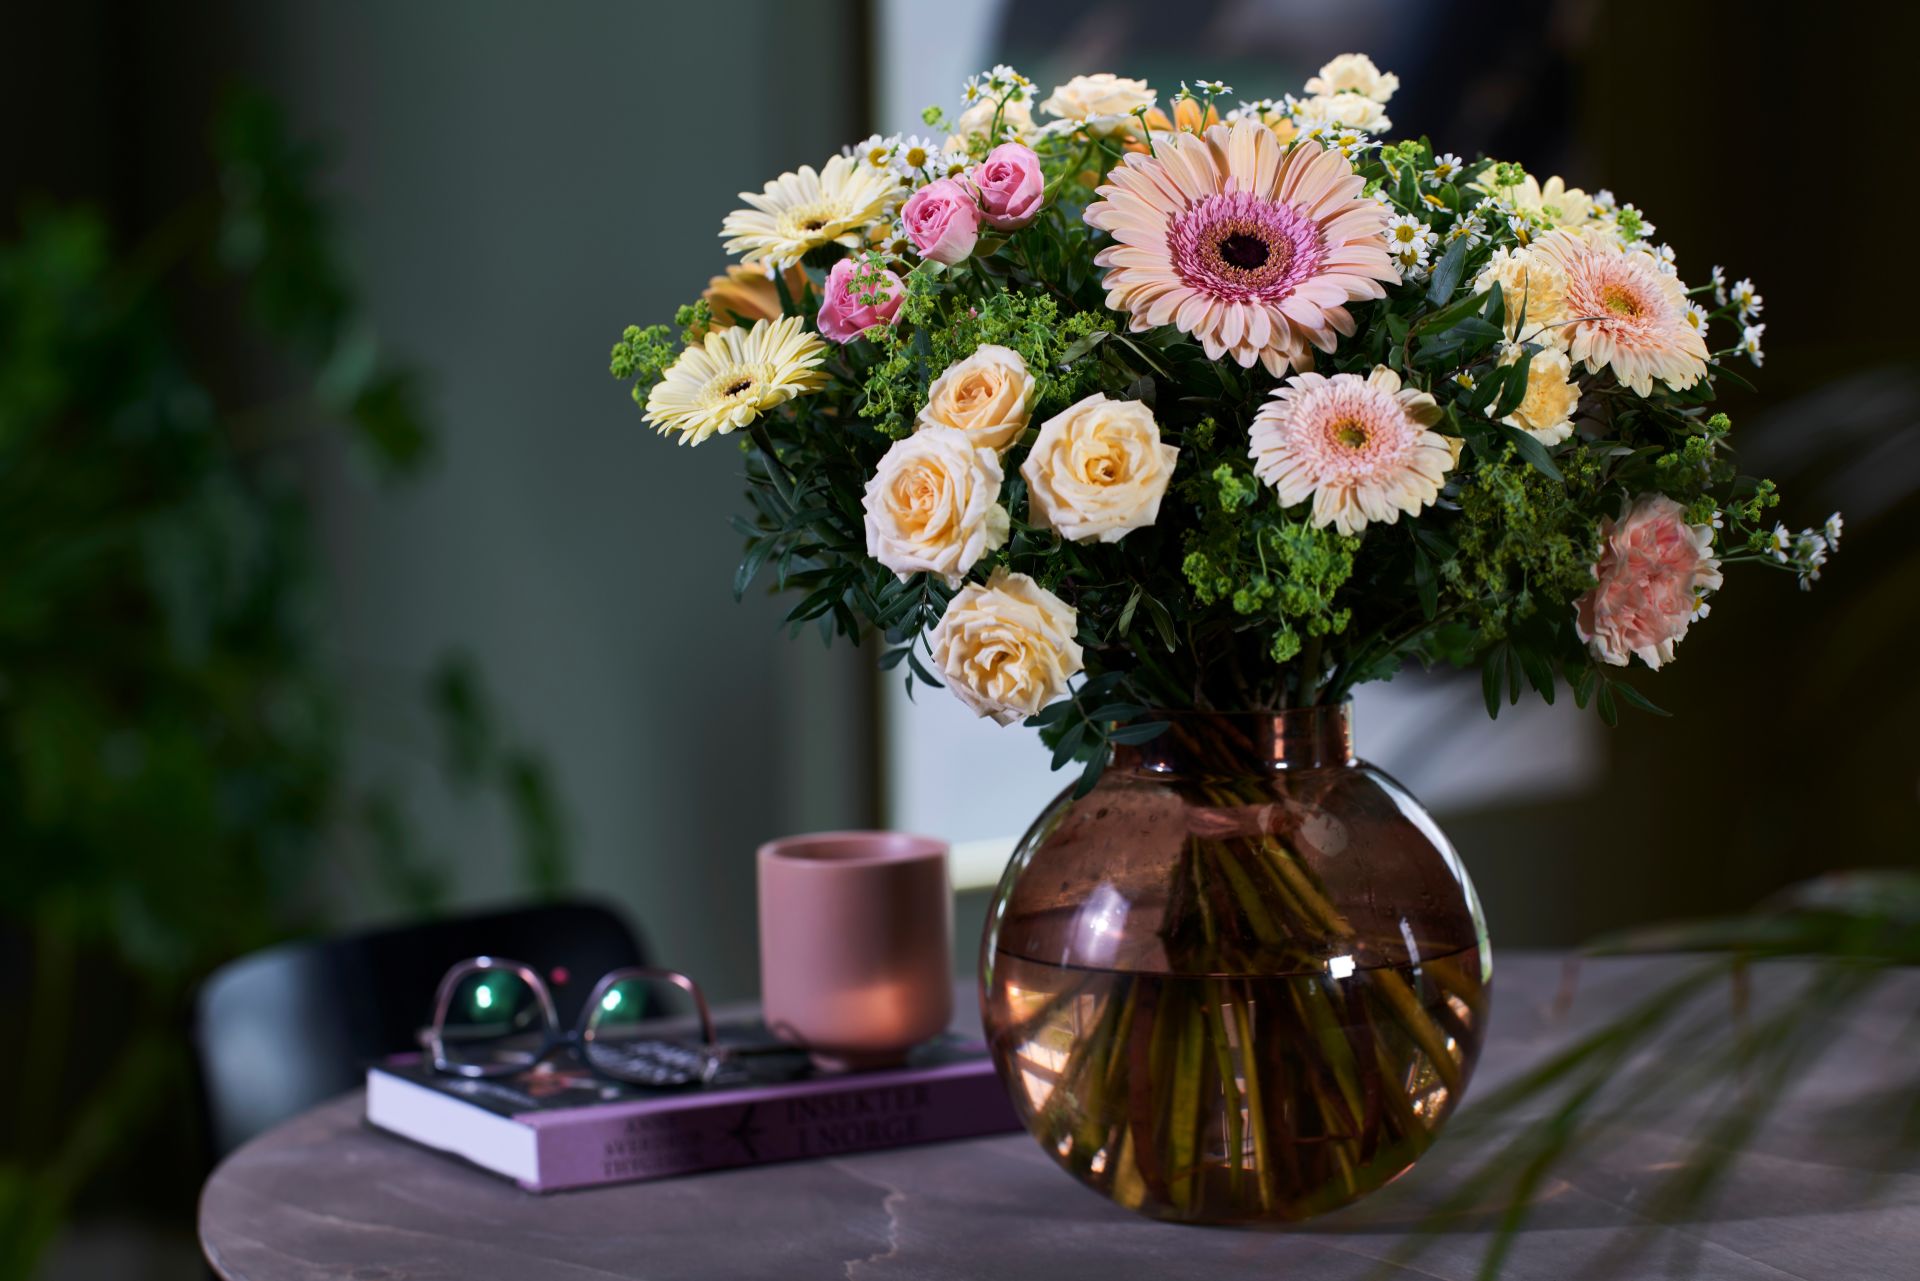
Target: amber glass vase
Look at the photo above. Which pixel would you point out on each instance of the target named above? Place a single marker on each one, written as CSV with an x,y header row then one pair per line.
x,y
1243,980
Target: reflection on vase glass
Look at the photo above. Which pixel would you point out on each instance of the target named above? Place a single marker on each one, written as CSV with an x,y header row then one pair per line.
x,y
1243,980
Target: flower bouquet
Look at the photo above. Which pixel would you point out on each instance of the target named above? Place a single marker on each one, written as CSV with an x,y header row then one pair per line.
x,y
1160,427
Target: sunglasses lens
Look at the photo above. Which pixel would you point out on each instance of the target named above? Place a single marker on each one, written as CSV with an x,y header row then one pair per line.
x,y
635,1032
494,1021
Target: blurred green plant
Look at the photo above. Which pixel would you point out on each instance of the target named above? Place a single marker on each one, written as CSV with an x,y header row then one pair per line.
x,y
174,774
1849,931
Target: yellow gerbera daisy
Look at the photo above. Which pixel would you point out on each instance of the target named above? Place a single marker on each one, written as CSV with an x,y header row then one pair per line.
x,y
734,376
801,211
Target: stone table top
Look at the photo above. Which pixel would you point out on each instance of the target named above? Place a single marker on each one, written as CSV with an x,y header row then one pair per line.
x,y
326,1197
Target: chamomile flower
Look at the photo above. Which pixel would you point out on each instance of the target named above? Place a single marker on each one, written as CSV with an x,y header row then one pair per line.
x,y
875,151
1209,88
1747,299
1700,606
1466,380
1779,544
1696,317
1750,343
1603,202
1408,232
1445,168
1831,531
1809,556
1469,226
1662,255
1630,224
1522,229
1351,143
1719,283
914,156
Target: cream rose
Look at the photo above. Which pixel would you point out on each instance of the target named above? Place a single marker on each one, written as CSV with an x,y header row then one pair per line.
x,y
988,396
1103,102
1016,122
1546,411
1345,110
1098,470
1006,650
933,505
1354,73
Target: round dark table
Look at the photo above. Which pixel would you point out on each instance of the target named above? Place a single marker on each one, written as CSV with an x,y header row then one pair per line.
x,y
326,1197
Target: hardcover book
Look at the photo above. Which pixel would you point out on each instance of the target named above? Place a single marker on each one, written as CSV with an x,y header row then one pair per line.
x,y
558,1125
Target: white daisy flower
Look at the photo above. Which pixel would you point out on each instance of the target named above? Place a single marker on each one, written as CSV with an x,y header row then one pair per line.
x,y
1445,167
1695,318
1719,286
914,156
1832,531
875,151
1747,299
1750,343
1700,606
1603,202
1779,544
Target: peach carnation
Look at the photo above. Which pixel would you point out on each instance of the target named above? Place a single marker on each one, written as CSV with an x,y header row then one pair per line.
x,y
1653,573
1253,249
1625,314
1361,448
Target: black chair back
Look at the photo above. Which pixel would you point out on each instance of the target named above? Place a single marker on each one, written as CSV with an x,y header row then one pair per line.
x,y
286,1028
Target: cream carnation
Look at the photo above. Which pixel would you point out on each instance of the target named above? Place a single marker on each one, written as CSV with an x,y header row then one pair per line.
x,y
1625,313
933,505
1360,448
1007,649
1653,572
1533,294
1104,102
1354,73
1546,411
987,396
1098,470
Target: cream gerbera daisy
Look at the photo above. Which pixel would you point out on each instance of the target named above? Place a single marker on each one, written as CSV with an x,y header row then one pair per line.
x,y
801,211
1625,314
1252,249
734,376
1361,448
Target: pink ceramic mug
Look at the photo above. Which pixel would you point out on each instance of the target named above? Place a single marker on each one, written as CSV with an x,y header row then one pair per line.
x,y
856,944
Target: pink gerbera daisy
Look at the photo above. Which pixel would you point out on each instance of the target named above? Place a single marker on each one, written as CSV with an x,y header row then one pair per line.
x,y
1361,448
1249,247
1627,314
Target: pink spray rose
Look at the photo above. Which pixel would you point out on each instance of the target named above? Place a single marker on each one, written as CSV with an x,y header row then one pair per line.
x,y
1010,186
854,306
942,220
1654,571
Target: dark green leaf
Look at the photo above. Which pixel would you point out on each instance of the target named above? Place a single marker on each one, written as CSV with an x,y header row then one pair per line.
x,y
1446,273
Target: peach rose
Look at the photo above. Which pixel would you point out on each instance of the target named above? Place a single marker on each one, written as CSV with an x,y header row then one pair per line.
x,y
933,505
1007,649
1654,572
1098,470
988,396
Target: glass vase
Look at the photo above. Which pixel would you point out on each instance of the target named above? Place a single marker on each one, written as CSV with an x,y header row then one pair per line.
x,y
1242,980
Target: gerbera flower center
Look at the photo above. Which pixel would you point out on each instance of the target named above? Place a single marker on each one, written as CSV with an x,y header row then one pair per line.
x,y
1620,300
733,383
1239,246
1350,433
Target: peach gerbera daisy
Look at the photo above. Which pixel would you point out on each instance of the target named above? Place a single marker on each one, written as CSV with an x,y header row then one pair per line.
x,y
1625,314
1361,448
1249,247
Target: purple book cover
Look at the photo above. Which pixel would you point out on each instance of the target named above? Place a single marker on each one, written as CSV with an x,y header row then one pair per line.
x,y
560,1126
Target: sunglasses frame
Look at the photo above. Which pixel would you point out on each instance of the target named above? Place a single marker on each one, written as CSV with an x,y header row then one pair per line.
x,y
555,1038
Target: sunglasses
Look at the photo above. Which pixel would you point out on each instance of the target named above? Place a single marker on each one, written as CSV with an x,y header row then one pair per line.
x,y
493,1017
